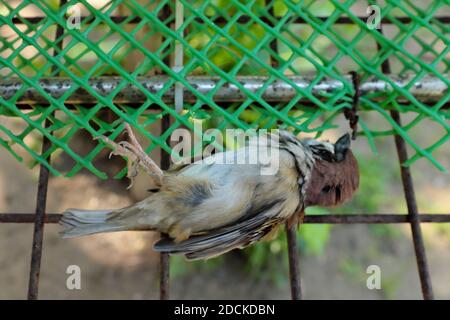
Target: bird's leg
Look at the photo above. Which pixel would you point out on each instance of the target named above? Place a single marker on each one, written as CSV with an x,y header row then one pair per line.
x,y
144,160
136,156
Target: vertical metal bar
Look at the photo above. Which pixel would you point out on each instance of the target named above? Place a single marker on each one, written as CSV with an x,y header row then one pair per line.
x,y
41,200
294,266
291,229
164,275
410,197
413,212
164,258
38,234
273,44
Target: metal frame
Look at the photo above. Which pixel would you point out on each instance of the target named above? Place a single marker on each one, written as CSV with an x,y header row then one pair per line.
x,y
41,202
40,217
430,89
414,220
410,197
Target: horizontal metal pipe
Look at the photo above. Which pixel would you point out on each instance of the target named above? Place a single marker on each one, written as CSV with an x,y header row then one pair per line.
x,y
310,218
428,89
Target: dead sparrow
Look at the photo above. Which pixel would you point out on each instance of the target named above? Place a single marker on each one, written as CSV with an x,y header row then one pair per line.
x,y
207,208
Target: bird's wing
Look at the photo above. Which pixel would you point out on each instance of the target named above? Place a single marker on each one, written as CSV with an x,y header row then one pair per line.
x,y
273,199
213,208
224,239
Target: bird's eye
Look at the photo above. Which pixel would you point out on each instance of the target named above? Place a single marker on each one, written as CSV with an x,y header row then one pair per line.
x,y
326,189
326,155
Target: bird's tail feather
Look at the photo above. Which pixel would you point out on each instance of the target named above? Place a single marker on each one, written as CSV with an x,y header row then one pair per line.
x,y
84,222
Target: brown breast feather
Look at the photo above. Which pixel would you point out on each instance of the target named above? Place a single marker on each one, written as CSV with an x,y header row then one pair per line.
x,y
332,183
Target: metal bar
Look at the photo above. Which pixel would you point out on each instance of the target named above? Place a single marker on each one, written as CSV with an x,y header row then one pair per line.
x,y
410,197
291,232
413,212
429,89
374,218
164,258
274,43
241,19
39,220
28,217
294,263
164,276
41,200
408,188
314,219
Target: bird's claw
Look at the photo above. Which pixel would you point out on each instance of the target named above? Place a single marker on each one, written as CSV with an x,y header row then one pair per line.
x,y
135,155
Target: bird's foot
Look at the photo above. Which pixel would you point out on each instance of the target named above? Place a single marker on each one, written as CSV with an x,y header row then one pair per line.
x,y
135,155
123,149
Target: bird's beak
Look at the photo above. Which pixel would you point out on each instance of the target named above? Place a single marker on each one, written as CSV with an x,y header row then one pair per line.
x,y
341,146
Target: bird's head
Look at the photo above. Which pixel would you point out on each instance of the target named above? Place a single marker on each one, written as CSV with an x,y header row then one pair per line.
x,y
335,175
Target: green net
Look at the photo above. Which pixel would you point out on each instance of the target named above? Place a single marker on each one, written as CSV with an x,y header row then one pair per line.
x,y
220,39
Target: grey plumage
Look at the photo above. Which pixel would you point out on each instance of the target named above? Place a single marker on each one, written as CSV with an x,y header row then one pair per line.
x,y
84,222
207,208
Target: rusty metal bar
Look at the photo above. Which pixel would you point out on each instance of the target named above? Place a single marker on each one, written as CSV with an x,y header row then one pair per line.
x,y
41,200
410,197
28,217
294,263
164,258
274,43
164,276
313,219
291,231
39,220
408,188
428,89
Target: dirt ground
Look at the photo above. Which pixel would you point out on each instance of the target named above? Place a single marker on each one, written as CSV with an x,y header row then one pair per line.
x,y
123,266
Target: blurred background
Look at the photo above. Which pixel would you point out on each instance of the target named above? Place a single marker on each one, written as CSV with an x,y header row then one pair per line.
x,y
333,258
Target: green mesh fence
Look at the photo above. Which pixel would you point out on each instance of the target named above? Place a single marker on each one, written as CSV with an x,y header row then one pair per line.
x,y
224,40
